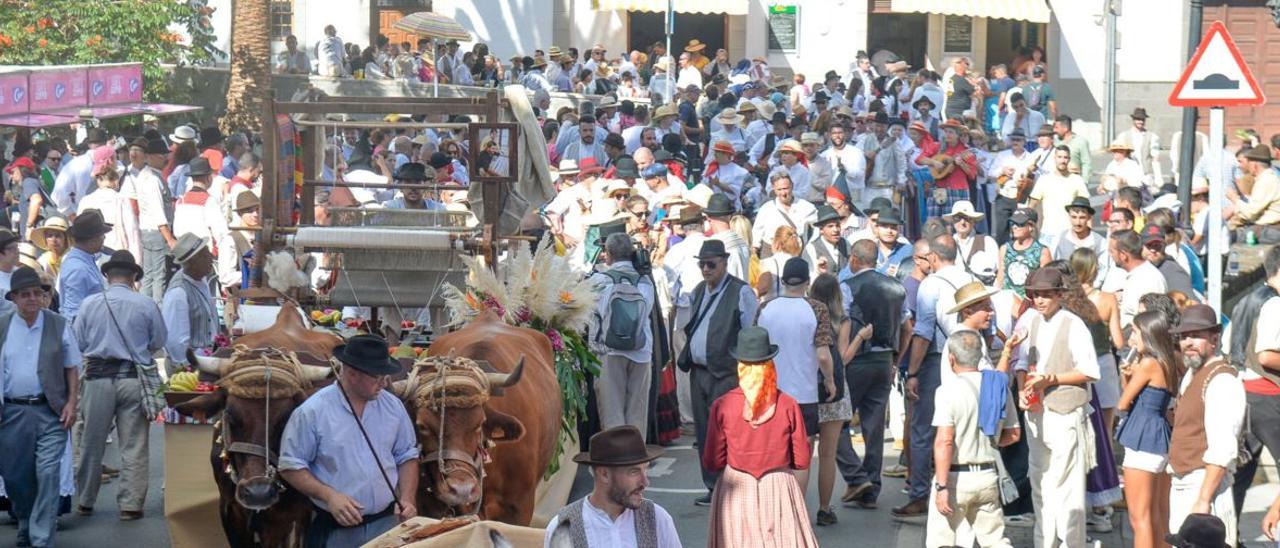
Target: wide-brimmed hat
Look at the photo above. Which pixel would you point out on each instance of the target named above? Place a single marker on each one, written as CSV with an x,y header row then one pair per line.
x,y
28,254
954,125
896,66
23,278
608,101
411,171
923,99
554,51
199,167
729,117
827,214
52,224
182,134
589,166
889,217
247,200
122,258
1045,279
625,167
210,136
689,213
618,446
711,249
1260,153
810,137
878,204
1196,318
970,293
963,208
96,136
367,353
723,146
754,346
719,205
1120,145
89,224
694,45
1139,113
1199,531
186,247
568,166
1080,202
664,111
792,146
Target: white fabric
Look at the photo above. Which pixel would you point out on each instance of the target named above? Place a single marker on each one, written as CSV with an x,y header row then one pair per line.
x,y
739,253
736,178
146,188
1055,193
1147,462
207,221
682,269
792,326
1146,278
984,363
771,216
854,161
73,183
1268,331
620,533
976,512
1030,124
1128,171
1005,159
1058,467
956,403
118,212
1183,492
747,306
1079,341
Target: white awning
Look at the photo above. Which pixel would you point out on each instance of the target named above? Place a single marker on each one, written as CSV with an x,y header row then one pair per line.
x,y
728,7
1035,11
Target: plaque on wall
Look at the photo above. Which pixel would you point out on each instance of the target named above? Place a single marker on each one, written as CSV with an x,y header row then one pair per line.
x,y
784,25
957,34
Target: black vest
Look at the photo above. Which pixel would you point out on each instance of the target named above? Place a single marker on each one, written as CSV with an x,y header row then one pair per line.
x,y
877,300
723,324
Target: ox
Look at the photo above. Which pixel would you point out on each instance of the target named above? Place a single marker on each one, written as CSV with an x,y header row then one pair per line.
x,y
527,409
256,510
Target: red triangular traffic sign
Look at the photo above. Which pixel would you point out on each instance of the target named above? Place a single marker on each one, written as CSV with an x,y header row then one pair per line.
x,y
1217,75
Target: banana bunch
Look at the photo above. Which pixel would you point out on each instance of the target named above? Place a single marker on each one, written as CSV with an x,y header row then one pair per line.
x,y
185,381
327,316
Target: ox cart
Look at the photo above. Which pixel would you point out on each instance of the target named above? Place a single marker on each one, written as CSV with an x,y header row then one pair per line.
x,y
384,264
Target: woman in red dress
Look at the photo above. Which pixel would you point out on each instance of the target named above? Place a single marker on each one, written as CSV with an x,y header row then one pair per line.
x,y
756,440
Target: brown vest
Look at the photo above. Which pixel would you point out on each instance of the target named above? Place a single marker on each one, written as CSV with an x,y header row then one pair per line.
x,y
1188,441
1056,360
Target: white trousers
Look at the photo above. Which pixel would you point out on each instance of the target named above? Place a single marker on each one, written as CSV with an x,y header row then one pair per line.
x,y
1058,467
1183,492
975,505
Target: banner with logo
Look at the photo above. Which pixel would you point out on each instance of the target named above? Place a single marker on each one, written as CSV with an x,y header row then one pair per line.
x,y
13,93
57,89
115,84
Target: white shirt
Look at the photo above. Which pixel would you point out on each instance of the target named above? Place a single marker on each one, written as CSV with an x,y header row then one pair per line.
x,y
957,406
747,306
735,176
854,161
118,212
1055,193
964,245
689,76
1030,124
801,182
329,53
1126,173
1223,415
73,183
1146,278
147,189
604,531
792,326
1019,164
770,217
1079,342
682,269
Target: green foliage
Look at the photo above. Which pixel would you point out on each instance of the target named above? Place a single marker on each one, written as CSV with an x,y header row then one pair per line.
x,y
68,32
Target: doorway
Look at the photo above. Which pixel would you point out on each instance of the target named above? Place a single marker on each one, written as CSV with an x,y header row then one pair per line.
x,y
646,28
905,34
1006,38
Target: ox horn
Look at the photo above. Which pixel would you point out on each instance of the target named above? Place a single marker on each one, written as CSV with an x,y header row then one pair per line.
x,y
211,365
315,373
506,380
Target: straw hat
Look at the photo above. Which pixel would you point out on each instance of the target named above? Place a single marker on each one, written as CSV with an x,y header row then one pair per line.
x,y
970,293
52,224
792,146
963,208
723,146
766,109
729,117
695,46
810,138
1120,145
28,255
664,111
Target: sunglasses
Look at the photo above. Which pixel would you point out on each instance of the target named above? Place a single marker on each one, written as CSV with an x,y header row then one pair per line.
x,y
708,265
641,214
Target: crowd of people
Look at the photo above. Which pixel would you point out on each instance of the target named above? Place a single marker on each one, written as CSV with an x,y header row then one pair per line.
x,y
905,254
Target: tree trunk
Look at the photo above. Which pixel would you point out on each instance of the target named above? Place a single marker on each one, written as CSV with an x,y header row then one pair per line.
x,y
250,85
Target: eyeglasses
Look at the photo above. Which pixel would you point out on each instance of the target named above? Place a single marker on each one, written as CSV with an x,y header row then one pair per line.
x,y
640,214
708,265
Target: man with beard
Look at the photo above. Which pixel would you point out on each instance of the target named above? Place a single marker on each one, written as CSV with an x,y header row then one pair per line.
x,y
585,145
846,160
1203,460
615,513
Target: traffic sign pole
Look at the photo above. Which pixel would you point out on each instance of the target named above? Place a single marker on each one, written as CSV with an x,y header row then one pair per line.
x,y
1217,236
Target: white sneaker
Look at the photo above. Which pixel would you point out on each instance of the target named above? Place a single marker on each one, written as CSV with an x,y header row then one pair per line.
x,y
1099,523
1020,520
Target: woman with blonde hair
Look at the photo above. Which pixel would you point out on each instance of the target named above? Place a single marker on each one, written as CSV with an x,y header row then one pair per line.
x,y
786,244
742,226
52,238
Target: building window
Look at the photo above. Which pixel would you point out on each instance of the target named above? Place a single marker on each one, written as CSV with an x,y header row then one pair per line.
x,y
281,19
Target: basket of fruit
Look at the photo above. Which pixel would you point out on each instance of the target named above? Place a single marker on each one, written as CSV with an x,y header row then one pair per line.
x,y
185,386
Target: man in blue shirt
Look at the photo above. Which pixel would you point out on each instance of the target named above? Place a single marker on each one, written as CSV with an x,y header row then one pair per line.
x,y
79,277
113,341
324,455
40,382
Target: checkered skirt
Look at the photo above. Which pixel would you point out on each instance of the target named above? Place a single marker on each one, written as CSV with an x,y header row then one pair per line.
x,y
769,511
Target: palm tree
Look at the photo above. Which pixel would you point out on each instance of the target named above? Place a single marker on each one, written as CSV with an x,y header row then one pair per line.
x,y
250,85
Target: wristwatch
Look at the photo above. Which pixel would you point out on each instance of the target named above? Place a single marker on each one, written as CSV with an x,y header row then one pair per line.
x,y
939,487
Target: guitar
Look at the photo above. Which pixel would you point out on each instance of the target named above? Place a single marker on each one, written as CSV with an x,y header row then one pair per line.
x,y
948,165
1025,180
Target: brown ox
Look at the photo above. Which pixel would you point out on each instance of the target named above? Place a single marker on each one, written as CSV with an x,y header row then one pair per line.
x,y
255,510
528,411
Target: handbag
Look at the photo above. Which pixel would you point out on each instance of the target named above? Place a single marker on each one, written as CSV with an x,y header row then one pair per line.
x,y
148,373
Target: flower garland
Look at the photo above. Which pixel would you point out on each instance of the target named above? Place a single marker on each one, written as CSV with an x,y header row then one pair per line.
x,y
538,290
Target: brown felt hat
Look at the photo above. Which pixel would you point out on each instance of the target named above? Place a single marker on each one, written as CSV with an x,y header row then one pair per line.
x,y
618,446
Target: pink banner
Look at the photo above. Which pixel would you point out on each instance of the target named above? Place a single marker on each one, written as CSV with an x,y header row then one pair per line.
x,y
13,93
57,89
115,84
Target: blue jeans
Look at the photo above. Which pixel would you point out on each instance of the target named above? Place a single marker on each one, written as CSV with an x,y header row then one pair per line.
x,y
870,379
34,441
155,251
920,476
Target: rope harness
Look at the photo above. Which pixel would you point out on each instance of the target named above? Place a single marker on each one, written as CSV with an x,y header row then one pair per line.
x,y
442,382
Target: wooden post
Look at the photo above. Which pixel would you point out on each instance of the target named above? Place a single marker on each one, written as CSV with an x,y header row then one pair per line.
x,y
270,189
313,143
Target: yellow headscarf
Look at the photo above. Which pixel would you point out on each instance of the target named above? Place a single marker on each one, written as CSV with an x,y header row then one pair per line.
x,y
759,383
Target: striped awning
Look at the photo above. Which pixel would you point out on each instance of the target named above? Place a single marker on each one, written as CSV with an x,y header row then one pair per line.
x,y
427,24
1035,11
729,7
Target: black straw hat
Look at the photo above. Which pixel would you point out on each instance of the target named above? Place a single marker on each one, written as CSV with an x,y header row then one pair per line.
x,y
367,353
122,258
754,346
618,446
